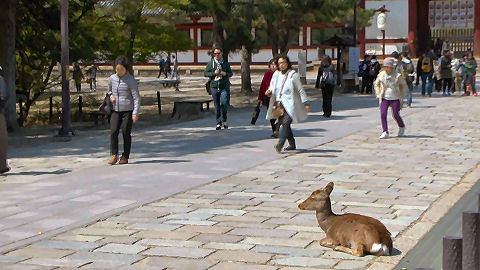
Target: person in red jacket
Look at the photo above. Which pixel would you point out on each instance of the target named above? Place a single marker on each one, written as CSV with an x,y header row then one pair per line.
x,y
262,98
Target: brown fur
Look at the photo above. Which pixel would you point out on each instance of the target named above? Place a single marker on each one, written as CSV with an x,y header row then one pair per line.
x,y
351,233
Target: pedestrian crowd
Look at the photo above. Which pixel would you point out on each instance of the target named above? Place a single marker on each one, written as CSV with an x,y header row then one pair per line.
x,y
281,92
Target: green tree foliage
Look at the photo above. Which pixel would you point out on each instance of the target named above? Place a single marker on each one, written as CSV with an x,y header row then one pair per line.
x,y
138,28
37,44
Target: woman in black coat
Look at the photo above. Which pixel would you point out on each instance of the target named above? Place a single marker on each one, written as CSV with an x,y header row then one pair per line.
x,y
326,81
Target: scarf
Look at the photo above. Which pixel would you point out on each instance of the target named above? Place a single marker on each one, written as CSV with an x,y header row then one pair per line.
x,y
218,64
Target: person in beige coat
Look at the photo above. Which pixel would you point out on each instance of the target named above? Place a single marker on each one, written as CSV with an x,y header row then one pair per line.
x,y
391,88
287,88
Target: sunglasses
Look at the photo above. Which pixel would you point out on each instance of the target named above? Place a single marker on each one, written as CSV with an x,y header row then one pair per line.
x,y
217,53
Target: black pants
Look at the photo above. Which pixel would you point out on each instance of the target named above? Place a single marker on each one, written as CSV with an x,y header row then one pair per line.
x,y
78,86
367,84
447,84
274,126
286,133
121,120
327,94
161,71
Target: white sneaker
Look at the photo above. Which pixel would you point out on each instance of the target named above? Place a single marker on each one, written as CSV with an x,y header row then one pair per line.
x,y
401,132
384,135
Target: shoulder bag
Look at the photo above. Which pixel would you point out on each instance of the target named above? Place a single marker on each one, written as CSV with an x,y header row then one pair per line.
x,y
277,108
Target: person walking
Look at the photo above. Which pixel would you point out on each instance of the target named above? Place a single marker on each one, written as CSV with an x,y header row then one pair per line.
x,y
287,92
469,67
408,73
78,76
446,72
161,66
175,68
364,69
167,69
92,75
3,126
391,89
457,67
326,80
425,64
376,67
219,72
125,98
264,99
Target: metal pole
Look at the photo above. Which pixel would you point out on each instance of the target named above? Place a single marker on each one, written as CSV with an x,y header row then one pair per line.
x,y
65,131
355,24
452,253
383,48
471,239
159,103
80,105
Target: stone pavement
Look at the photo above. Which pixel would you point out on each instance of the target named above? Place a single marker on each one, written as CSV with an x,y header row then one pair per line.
x,y
248,218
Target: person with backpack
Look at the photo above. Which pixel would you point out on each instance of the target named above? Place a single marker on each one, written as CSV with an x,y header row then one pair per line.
x,y
425,62
376,67
408,73
446,72
161,66
364,72
326,81
78,76
391,89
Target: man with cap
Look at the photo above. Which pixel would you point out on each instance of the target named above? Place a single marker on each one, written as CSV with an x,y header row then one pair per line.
x,y
391,89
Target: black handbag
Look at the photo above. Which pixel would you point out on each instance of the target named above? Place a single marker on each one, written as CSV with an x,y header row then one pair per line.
x,y
256,113
208,87
107,105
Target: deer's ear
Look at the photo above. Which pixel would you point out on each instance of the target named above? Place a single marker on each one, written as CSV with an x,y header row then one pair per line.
x,y
329,188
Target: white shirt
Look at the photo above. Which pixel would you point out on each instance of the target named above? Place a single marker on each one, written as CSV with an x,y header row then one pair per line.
x,y
389,85
281,77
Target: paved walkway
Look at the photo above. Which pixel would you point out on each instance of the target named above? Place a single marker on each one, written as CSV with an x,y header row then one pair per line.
x,y
248,219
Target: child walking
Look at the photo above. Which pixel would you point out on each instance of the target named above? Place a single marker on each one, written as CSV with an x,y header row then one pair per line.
x,y
391,88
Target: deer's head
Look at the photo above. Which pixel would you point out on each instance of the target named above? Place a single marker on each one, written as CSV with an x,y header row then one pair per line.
x,y
319,200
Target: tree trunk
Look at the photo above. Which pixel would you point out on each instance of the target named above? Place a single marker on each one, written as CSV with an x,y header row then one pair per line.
x,y
245,66
7,58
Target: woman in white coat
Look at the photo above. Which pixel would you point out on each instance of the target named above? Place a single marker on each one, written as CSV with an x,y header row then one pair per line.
x,y
287,88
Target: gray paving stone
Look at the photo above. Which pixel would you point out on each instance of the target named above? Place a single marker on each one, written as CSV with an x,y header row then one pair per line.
x,y
73,245
102,257
121,248
305,262
153,227
184,252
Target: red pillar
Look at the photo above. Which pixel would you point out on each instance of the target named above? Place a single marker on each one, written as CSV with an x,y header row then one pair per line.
x,y
195,41
361,34
476,35
412,26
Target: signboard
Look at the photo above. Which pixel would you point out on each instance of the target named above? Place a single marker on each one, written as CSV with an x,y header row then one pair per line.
x,y
353,60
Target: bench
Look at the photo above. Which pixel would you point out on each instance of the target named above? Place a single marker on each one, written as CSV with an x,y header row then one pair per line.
x,y
96,115
190,107
170,83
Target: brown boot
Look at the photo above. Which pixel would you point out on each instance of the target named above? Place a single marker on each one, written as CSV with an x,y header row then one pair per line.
x,y
113,160
123,160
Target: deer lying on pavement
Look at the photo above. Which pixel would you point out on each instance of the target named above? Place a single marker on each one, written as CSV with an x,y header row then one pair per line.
x,y
350,233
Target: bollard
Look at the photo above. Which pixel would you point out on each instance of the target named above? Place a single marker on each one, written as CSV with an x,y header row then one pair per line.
x,y
50,115
80,105
452,253
159,103
471,239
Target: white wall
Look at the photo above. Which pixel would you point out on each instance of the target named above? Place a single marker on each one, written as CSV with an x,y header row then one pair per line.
x,y
263,56
376,48
397,20
185,57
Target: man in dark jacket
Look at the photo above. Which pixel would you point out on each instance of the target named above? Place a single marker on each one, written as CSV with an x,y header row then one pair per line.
x,y
218,71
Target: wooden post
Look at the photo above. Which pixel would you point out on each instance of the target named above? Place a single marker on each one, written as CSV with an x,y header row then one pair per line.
x,y
471,239
50,115
80,105
476,33
452,253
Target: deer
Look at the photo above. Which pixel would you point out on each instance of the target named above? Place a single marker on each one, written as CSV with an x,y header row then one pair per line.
x,y
351,233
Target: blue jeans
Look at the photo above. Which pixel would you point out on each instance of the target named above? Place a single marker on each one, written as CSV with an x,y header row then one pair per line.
x,y
424,82
409,93
470,79
221,100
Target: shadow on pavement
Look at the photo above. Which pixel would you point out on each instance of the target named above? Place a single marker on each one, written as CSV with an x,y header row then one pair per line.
x,y
416,136
34,173
171,161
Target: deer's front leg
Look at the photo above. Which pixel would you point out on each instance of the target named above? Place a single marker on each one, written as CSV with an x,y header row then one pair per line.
x,y
328,242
